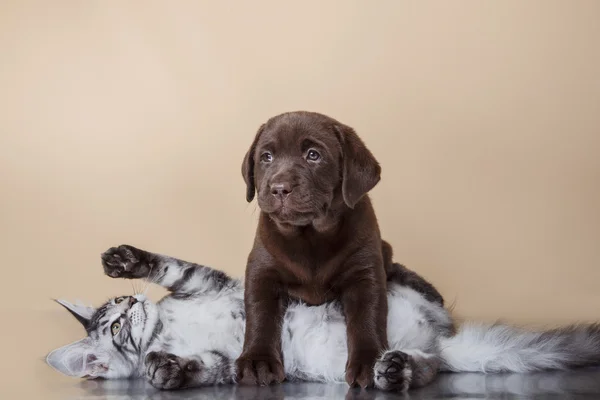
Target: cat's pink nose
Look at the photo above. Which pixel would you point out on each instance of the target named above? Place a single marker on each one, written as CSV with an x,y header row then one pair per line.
x,y
132,301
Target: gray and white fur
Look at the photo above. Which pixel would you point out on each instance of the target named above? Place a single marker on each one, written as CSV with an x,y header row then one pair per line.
x,y
192,336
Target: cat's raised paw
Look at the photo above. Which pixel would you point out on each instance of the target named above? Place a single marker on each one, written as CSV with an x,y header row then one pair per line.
x,y
168,371
125,262
393,371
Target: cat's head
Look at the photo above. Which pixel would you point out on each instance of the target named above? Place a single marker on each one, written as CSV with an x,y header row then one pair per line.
x,y
118,333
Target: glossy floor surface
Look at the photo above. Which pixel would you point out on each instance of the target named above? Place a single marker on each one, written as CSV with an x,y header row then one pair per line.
x,y
567,385
28,336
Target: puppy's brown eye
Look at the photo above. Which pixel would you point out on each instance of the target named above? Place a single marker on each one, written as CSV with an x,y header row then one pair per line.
x,y
313,155
266,157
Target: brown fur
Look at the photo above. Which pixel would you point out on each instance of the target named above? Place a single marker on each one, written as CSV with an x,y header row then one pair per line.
x,y
317,240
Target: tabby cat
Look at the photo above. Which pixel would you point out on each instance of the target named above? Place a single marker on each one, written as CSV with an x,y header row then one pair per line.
x,y
193,336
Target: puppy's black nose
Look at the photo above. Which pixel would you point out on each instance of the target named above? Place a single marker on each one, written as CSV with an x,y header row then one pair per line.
x,y
281,189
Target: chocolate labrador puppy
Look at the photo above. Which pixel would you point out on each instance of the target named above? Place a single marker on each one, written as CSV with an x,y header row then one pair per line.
x,y
317,240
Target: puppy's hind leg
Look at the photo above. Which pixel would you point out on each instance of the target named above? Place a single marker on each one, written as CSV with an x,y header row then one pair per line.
x,y
400,370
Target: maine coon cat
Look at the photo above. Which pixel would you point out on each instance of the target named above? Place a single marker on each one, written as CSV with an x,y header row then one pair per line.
x,y
193,336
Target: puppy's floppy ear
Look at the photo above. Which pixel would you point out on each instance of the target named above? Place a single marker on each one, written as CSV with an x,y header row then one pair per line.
x,y
248,167
360,170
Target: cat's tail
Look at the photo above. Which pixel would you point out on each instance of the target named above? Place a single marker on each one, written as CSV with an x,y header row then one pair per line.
x,y
501,348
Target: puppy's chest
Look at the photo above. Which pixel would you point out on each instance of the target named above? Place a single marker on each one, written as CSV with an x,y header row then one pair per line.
x,y
310,269
312,283
312,294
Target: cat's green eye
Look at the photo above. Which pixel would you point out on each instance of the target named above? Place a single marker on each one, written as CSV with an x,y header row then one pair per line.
x,y
118,300
115,327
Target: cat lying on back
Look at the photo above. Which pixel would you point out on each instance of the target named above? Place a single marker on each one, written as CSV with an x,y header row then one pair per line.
x,y
193,336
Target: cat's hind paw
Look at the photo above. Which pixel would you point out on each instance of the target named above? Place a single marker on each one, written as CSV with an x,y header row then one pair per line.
x,y
393,371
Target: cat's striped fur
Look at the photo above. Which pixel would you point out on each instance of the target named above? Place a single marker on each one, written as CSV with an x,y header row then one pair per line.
x,y
193,336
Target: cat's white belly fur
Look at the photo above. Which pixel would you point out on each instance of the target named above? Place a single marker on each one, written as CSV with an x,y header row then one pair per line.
x,y
317,349
313,338
204,325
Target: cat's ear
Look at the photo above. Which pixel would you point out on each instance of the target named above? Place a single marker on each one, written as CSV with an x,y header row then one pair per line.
x,y
81,312
79,359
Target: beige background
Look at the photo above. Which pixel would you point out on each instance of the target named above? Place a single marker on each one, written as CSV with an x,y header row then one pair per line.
x,y
126,122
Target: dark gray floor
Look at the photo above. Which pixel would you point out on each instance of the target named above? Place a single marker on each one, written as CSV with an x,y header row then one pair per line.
x,y
582,384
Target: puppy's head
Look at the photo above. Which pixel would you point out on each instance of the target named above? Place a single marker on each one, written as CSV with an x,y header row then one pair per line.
x,y
300,163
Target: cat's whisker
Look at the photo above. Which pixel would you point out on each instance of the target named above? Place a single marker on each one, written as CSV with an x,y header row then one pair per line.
x,y
133,288
149,280
144,284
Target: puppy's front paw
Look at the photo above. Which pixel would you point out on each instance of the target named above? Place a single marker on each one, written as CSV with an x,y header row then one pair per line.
x,y
261,370
359,368
168,371
359,374
393,371
125,262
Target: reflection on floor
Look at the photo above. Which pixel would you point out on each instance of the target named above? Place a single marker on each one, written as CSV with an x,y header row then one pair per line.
x,y
24,374
582,384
